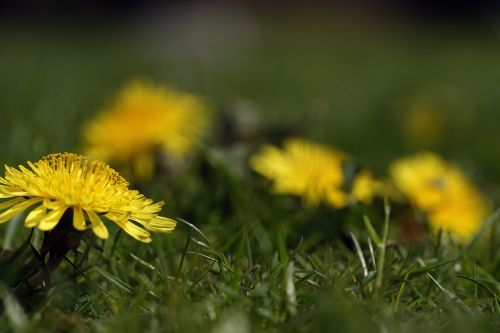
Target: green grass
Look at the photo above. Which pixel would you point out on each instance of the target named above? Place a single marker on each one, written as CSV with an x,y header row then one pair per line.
x,y
257,265
241,259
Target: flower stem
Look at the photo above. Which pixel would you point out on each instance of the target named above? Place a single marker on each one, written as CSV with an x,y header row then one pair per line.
x,y
56,244
382,247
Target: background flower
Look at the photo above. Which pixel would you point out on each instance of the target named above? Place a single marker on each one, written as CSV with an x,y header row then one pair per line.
x,y
312,171
145,118
443,192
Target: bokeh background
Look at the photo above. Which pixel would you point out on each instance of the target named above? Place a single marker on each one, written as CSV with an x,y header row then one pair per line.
x,y
375,78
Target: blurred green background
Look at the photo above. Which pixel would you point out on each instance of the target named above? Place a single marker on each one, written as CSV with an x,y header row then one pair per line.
x,y
376,84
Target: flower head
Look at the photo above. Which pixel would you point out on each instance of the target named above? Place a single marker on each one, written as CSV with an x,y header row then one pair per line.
x,y
311,171
443,192
424,122
145,118
91,189
365,187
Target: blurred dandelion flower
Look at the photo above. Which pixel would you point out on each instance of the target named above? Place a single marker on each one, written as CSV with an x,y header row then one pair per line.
x,y
311,171
144,119
91,189
365,187
441,191
424,124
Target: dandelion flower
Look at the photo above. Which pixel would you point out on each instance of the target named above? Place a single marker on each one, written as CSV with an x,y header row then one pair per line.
x,y
424,123
311,171
92,190
365,186
441,191
144,119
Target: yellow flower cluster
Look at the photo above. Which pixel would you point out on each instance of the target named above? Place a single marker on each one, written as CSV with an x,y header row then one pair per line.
x,y
311,171
443,192
90,189
144,119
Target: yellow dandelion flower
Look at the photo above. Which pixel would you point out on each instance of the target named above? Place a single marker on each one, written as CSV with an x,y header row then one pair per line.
x,y
443,192
145,118
311,171
365,187
424,124
462,213
424,178
92,190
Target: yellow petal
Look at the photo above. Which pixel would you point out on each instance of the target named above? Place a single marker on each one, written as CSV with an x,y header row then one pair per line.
x,y
10,203
13,211
51,204
161,224
49,221
35,216
134,231
337,198
114,216
78,219
98,226
9,192
364,187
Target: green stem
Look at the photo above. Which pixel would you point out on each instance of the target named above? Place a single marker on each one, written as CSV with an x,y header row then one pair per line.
x,y
382,246
179,269
56,244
